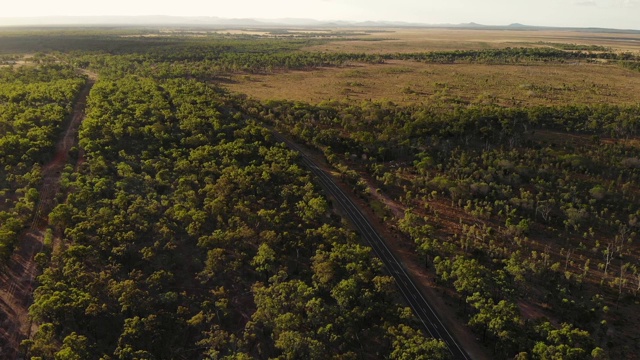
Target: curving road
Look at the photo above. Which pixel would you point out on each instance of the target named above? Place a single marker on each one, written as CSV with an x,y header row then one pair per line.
x,y
421,308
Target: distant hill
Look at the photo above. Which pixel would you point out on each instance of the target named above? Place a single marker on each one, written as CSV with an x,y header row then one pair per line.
x,y
218,22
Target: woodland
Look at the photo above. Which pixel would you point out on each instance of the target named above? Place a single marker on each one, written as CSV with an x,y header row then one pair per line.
x,y
183,230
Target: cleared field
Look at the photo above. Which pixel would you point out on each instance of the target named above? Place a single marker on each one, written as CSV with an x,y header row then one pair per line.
x,y
412,40
411,82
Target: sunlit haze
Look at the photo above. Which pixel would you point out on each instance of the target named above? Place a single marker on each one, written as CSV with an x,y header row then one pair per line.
x,y
621,14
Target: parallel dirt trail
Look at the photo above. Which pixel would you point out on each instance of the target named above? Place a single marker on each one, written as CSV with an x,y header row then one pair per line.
x,y
17,278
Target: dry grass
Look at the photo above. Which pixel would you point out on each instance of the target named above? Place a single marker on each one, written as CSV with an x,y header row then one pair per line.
x,y
242,32
411,82
415,40
509,85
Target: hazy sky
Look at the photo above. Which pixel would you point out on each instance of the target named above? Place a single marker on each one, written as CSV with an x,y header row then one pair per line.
x,y
584,13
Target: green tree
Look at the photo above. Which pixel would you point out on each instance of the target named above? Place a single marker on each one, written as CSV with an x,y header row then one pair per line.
x,y
409,344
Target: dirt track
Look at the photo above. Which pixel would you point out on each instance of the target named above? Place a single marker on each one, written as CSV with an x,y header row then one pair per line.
x,y
17,278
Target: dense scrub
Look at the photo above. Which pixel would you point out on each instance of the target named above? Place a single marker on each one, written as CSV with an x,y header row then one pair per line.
x,y
190,234
33,105
510,206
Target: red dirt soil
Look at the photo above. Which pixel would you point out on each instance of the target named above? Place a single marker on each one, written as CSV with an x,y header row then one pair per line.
x,y
439,297
17,278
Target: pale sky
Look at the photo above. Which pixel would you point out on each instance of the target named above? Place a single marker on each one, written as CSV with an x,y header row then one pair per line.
x,y
621,14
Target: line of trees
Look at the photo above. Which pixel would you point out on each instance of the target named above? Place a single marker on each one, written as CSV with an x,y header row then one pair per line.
x,y
190,233
544,198
33,106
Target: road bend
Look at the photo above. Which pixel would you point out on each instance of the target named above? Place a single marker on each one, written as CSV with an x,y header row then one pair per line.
x,y
414,297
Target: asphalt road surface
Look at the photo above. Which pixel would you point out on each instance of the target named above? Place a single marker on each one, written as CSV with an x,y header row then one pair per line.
x,y
421,308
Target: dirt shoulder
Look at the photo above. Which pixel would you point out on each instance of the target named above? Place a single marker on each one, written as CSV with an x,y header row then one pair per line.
x,y
405,252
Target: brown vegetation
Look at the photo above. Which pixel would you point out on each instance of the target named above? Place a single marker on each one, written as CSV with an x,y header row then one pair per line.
x,y
415,40
412,82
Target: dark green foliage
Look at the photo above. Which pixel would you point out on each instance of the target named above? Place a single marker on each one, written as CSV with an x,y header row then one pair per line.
x,y
191,233
33,105
519,173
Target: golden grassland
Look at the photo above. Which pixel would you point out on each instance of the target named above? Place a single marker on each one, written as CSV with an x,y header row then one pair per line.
x,y
412,82
508,85
416,40
407,82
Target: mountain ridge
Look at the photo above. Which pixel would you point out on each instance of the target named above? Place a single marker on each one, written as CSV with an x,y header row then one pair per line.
x,y
213,21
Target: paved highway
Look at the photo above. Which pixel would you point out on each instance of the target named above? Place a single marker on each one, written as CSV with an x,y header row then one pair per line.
x,y
413,296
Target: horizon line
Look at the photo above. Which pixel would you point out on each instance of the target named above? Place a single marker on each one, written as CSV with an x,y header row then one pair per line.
x,y
22,21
